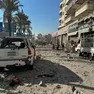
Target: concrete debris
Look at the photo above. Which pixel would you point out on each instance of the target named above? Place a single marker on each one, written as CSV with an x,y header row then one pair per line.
x,y
2,76
57,54
2,90
28,85
6,70
12,92
85,73
38,57
15,81
75,91
42,84
58,86
10,77
46,75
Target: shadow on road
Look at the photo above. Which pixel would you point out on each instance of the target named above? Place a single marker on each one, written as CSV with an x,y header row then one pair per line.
x,y
48,72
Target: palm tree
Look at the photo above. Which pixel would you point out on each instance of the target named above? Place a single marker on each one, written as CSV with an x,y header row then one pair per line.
x,y
29,28
22,22
9,7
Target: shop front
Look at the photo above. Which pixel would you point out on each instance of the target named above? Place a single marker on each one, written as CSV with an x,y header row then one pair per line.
x,y
62,36
73,34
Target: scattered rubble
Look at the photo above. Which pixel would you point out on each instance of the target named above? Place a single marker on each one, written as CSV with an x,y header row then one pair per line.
x,y
42,84
12,92
75,91
46,75
38,57
52,75
2,90
6,70
28,85
58,86
2,76
15,81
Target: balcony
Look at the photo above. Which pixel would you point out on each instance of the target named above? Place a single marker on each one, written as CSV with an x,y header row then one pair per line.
x,y
74,4
61,3
72,12
61,26
60,11
68,1
84,9
60,19
69,19
62,30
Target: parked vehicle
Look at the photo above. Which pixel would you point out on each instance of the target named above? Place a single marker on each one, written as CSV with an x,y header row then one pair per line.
x,y
16,50
77,49
87,45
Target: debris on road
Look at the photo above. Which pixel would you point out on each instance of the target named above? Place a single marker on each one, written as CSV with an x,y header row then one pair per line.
x,y
15,81
52,74
2,90
12,92
6,70
42,84
10,77
2,76
28,85
58,86
75,91
38,57
46,75
85,73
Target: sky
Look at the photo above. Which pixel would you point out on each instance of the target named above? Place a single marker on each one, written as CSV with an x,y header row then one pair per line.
x,y
44,15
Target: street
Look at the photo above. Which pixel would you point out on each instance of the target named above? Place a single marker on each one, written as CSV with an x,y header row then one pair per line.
x,y
58,72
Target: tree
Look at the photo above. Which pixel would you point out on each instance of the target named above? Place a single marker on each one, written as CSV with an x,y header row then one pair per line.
x,y
39,36
23,22
9,7
48,38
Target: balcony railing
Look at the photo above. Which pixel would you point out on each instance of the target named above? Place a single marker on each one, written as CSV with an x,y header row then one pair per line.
x,y
60,12
61,3
60,19
68,1
69,19
71,4
61,25
86,7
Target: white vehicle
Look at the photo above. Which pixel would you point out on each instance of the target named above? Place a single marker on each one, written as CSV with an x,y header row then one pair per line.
x,y
77,49
87,45
16,50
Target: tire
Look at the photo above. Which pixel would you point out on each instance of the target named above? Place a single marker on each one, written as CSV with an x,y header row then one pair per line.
x,y
90,57
29,64
28,67
1,69
78,51
80,54
31,67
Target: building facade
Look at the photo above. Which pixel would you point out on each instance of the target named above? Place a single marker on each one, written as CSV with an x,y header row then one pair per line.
x,y
74,15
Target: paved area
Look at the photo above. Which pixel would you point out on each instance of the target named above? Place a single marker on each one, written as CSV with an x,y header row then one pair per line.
x,y
55,73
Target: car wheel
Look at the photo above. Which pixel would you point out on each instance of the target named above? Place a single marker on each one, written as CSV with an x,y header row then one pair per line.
x,y
78,51
80,54
29,64
90,57
31,67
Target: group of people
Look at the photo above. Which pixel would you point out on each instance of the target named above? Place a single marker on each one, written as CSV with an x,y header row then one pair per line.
x,y
69,46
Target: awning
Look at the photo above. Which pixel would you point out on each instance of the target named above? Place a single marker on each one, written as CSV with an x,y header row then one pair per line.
x,y
72,33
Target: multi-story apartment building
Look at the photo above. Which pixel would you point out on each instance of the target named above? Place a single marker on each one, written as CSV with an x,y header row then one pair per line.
x,y
72,13
62,28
